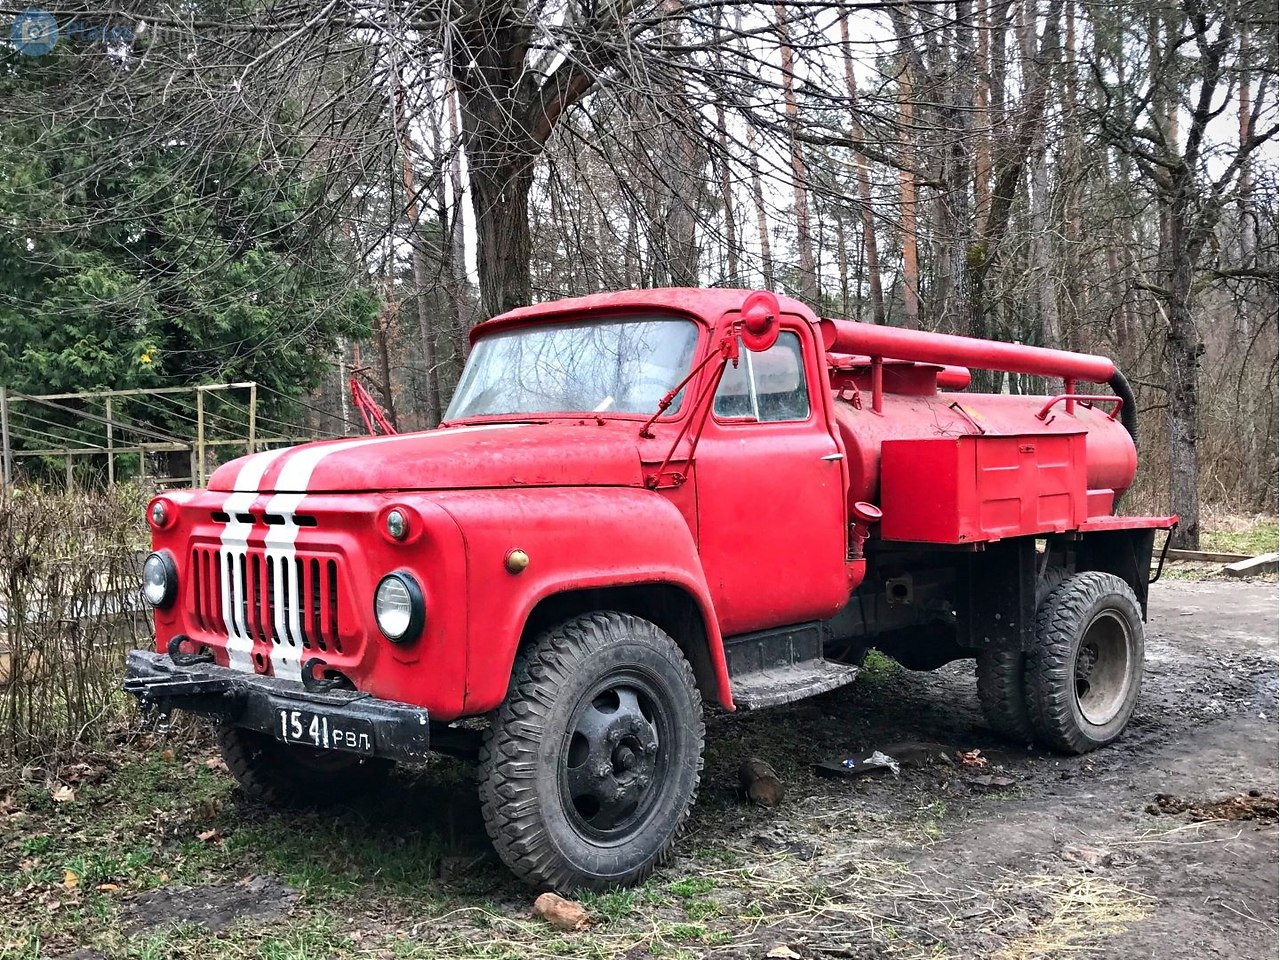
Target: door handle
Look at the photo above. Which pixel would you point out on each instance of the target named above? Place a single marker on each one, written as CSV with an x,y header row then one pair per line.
x,y
834,456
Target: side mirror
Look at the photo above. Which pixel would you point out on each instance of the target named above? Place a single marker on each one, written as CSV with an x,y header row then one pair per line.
x,y
760,312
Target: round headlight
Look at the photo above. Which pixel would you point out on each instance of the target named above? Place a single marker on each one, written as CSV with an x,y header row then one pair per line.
x,y
397,524
399,608
159,513
159,579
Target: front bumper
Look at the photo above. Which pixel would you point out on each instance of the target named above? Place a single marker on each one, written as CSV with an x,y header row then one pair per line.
x,y
397,731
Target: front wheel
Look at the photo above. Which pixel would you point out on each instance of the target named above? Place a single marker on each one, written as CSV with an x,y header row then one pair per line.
x,y
1084,675
288,775
590,766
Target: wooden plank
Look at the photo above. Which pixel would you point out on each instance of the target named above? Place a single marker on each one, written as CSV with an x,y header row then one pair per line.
x,y
1266,563
1207,556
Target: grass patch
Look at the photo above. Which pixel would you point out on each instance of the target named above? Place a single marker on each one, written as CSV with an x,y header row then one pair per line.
x,y
1081,911
878,668
1247,535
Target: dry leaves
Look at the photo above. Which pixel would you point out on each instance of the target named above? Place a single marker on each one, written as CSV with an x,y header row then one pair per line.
x,y
63,794
973,758
783,952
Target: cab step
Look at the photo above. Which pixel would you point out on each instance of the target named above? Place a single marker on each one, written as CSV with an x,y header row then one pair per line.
x,y
772,667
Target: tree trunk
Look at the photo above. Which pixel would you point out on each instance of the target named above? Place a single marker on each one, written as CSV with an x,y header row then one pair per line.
x,y
1071,181
864,181
1184,349
799,175
380,337
1246,223
726,198
907,182
982,115
500,201
1042,264
457,232
417,245
842,259
762,216
969,315
725,165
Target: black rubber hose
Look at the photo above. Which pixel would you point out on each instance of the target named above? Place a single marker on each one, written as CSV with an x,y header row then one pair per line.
x,y
1129,411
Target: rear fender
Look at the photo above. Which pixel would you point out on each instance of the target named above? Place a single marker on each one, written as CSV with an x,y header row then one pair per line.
x,y
606,543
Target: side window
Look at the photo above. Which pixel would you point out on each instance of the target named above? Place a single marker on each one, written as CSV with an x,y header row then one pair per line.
x,y
767,386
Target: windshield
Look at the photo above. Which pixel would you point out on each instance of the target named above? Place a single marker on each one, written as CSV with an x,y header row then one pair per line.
x,y
597,366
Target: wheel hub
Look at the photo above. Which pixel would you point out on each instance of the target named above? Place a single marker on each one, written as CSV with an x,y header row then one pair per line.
x,y
612,759
1102,669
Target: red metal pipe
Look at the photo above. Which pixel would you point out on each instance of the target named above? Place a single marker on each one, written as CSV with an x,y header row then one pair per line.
x,y
1070,398
847,336
950,377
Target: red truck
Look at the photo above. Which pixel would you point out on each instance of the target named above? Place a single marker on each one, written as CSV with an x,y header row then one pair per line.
x,y
637,503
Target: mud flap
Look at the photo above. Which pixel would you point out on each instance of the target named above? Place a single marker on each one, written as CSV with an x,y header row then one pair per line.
x,y
996,596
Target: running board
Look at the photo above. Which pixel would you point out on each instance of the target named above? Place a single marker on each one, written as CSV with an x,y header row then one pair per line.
x,y
773,667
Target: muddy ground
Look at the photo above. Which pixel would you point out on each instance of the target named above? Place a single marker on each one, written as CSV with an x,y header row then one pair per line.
x,y
1206,729
1119,854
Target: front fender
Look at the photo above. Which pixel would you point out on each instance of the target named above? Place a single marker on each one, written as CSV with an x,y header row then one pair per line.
x,y
576,538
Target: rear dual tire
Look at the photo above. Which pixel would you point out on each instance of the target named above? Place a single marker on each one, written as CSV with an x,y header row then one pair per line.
x,y
1076,690
1085,673
1002,677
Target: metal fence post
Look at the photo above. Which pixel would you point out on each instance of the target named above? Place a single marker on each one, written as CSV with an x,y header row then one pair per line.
x,y
111,448
253,416
199,473
4,436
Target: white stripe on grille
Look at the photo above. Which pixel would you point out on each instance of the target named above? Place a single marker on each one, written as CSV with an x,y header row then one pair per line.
x,y
234,549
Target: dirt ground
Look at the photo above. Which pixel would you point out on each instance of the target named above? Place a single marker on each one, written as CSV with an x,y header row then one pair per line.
x,y
1126,853
989,876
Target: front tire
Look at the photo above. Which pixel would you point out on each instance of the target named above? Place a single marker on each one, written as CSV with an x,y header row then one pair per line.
x,y
287,775
1085,673
591,765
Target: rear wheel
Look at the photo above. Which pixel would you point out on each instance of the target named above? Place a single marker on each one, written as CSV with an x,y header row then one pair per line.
x,y
1001,677
590,766
1085,673
286,775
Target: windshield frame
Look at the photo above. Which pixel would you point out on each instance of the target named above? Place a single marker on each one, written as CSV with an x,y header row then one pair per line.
x,y
638,312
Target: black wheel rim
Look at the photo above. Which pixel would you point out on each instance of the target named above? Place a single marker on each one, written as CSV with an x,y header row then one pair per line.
x,y
1103,668
615,756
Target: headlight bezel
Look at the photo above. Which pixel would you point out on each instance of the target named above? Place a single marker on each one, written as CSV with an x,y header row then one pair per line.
x,y
170,586
166,511
417,607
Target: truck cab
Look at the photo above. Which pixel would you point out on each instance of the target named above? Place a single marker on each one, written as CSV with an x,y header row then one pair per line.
x,y
639,503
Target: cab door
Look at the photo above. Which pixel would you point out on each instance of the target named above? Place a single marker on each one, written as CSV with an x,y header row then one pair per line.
x,y
770,487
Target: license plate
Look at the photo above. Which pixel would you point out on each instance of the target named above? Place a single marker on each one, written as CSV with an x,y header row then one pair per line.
x,y
323,732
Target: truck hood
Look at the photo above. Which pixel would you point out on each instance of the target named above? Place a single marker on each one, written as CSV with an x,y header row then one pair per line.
x,y
484,455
